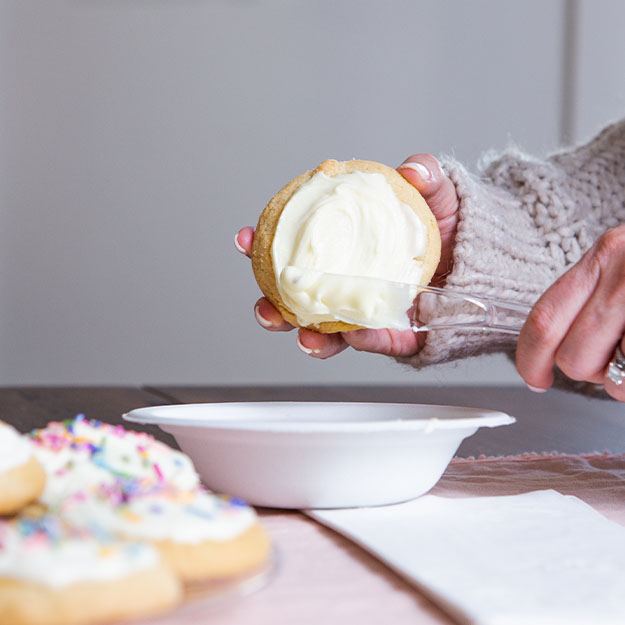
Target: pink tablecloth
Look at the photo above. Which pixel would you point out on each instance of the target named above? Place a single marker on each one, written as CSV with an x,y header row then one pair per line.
x,y
598,479
322,578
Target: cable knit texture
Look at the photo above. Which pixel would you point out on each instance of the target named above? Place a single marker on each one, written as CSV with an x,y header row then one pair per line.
x,y
523,222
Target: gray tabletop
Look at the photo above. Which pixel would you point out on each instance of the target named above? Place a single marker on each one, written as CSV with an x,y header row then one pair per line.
x,y
554,421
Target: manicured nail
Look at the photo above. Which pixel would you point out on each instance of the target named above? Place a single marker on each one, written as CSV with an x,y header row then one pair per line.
x,y
306,350
237,244
421,169
535,389
261,320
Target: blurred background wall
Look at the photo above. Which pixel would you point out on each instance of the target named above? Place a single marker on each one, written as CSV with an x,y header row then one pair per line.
x,y
136,137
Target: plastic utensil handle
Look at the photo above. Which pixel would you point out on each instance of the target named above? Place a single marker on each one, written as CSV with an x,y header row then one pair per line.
x,y
476,313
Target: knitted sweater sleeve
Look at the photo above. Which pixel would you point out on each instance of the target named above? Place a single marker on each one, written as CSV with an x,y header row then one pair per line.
x,y
522,223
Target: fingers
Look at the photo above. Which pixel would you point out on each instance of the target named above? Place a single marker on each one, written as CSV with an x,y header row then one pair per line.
x,y
617,391
550,321
590,342
320,345
311,343
424,172
244,239
388,342
269,318
579,320
266,314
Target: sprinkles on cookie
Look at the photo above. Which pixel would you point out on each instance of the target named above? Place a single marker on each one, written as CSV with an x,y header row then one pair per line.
x,y
90,454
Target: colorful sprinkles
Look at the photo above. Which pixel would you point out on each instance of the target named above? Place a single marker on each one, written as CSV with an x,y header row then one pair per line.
x,y
106,518
127,484
96,444
45,530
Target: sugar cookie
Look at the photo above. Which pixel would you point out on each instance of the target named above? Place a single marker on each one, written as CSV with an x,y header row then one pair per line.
x,y
327,244
202,536
79,454
52,574
126,482
22,478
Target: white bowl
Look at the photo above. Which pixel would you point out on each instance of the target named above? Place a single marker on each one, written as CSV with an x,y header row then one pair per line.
x,y
319,455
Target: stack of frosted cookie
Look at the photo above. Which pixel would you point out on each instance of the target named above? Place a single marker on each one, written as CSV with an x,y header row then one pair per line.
x,y
101,523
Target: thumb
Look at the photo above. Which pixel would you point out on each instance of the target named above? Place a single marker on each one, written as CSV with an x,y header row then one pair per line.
x,y
424,172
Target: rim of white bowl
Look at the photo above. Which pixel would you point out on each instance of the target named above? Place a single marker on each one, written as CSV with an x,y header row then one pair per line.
x,y
450,417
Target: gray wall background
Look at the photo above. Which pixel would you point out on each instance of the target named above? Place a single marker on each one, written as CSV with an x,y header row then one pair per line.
x,y
137,136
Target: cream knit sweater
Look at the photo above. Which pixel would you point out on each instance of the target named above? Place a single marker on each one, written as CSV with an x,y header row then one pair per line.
x,y
523,222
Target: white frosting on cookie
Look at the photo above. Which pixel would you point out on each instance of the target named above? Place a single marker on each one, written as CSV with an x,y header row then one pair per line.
x,y
348,225
137,455
15,450
80,455
367,302
106,479
69,471
181,517
44,552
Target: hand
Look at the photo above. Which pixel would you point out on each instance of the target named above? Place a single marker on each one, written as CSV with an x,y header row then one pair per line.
x,y
424,172
579,320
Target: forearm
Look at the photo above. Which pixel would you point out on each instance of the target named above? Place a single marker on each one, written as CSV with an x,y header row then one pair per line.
x,y
522,223
573,196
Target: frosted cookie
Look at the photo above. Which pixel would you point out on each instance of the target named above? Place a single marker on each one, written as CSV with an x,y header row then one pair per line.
x,y
327,243
53,575
80,454
126,482
202,536
21,477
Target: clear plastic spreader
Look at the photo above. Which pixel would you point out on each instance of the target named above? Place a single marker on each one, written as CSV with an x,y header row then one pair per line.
x,y
378,303
471,312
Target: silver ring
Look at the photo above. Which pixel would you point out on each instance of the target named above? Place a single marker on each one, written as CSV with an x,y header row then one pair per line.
x,y
616,368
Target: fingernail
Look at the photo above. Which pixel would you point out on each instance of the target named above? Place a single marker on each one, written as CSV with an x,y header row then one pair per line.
x,y
261,320
535,389
306,350
421,169
237,244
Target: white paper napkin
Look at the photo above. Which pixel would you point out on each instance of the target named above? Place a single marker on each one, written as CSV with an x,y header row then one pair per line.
x,y
540,558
